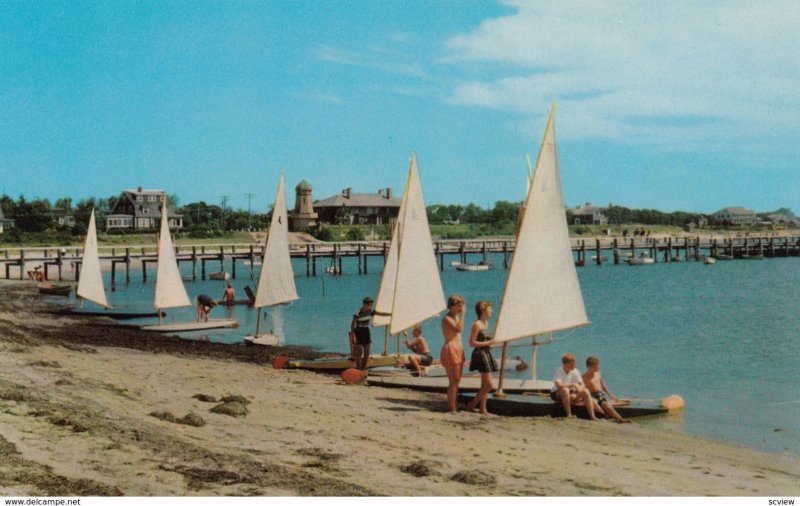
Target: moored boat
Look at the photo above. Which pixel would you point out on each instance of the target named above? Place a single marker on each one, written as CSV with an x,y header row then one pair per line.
x,y
276,281
644,258
470,267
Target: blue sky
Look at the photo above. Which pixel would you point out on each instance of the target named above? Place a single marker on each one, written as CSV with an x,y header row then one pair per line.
x,y
684,106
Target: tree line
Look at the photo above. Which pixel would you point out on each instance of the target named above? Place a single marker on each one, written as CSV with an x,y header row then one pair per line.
x,y
40,216
200,219
504,213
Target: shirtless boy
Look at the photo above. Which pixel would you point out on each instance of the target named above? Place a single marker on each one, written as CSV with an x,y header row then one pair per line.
x,y
599,391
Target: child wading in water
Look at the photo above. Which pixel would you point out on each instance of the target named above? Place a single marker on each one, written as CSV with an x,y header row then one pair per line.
x,y
597,387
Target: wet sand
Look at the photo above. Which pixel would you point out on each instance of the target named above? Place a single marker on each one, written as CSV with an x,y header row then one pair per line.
x,y
91,408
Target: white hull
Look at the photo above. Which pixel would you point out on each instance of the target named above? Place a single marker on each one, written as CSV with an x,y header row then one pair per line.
x,y
709,260
640,261
467,384
190,326
223,276
436,369
469,267
263,339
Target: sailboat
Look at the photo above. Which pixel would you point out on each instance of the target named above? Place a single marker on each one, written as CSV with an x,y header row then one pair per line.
x,y
411,290
276,282
170,291
90,282
542,294
542,271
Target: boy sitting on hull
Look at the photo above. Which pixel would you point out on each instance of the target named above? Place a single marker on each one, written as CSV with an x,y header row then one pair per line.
x,y
599,391
421,356
568,387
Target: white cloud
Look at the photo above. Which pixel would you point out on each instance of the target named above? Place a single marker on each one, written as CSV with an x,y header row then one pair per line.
x,y
679,72
374,58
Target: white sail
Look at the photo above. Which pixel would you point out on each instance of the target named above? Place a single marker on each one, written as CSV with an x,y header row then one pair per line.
x,y
384,302
170,291
542,292
276,282
90,284
418,293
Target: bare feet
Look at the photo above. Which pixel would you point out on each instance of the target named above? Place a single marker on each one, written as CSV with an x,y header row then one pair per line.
x,y
624,420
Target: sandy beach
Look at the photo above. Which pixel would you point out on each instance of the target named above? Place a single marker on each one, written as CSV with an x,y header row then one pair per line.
x,y
90,408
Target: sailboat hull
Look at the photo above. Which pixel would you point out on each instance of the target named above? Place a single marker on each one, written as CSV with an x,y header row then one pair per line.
x,y
535,405
115,315
467,384
640,261
263,339
61,290
340,364
470,267
190,326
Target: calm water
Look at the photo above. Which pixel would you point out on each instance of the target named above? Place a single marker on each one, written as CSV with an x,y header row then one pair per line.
x,y
724,337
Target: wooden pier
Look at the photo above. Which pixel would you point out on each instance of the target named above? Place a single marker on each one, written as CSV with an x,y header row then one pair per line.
x,y
328,257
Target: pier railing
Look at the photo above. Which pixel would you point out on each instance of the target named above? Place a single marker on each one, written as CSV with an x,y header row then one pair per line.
x,y
331,254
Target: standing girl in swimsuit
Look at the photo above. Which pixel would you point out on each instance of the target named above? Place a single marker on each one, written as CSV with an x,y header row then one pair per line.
x,y
452,355
482,359
359,333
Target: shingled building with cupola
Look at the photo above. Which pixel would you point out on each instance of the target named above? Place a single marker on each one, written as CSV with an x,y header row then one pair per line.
x,y
141,210
350,208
